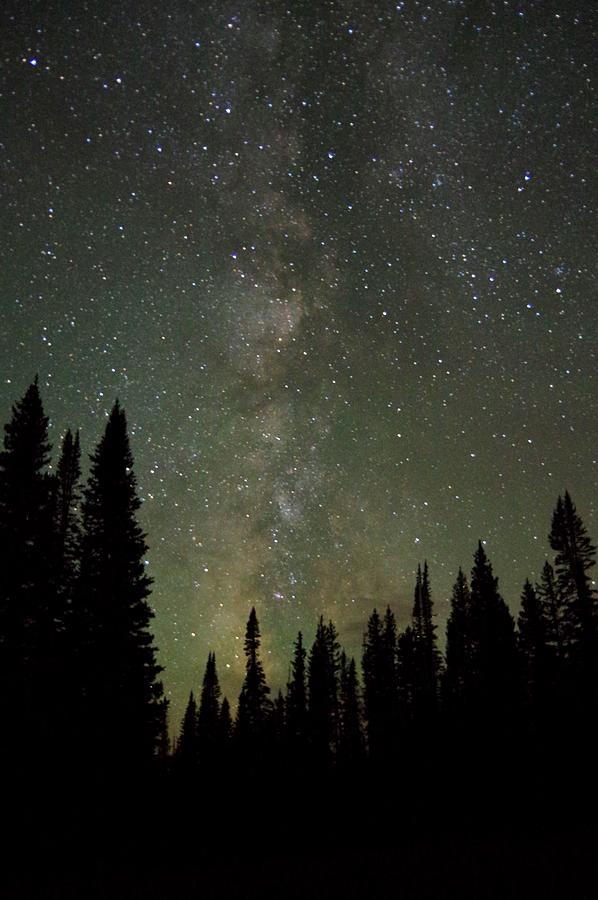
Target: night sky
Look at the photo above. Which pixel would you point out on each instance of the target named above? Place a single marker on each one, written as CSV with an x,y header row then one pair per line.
x,y
338,262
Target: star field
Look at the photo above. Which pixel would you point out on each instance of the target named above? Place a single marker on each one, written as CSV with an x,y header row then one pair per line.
x,y
337,261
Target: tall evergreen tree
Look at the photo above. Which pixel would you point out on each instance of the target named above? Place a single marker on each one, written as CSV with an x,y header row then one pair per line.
x,y
459,673
296,700
553,607
495,659
535,652
428,659
121,710
575,555
322,680
351,745
254,701
380,678
208,717
225,724
28,603
66,517
186,748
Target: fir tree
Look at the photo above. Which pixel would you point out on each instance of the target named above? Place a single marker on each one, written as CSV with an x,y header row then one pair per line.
x,y
575,555
535,653
459,674
296,700
66,517
225,724
254,701
496,673
208,717
187,745
322,683
121,709
553,609
380,677
428,660
351,744
28,601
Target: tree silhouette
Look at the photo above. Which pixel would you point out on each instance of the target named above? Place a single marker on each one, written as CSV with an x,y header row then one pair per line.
x,y
351,744
187,744
208,717
459,674
496,670
296,700
121,696
575,555
254,701
535,652
322,680
380,677
28,600
428,659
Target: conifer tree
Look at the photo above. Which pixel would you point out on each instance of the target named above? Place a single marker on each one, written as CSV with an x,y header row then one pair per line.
x,y
225,724
428,659
459,673
496,670
322,680
380,677
254,701
66,518
553,610
535,653
28,603
208,717
187,744
296,700
351,745
121,709
575,555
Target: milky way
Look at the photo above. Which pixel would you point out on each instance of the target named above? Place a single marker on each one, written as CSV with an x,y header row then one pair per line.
x,y
338,262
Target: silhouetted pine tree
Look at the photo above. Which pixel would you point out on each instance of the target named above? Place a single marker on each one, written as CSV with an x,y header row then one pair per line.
x,y
553,607
296,701
322,681
428,659
535,653
575,555
67,524
121,710
29,610
407,668
208,717
496,669
254,702
380,679
351,744
459,673
187,753
225,724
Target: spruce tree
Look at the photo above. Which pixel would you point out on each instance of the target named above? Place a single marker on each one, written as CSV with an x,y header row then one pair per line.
x,y
28,601
380,678
187,745
296,700
428,659
458,677
553,609
322,680
66,517
351,745
254,701
496,672
120,702
208,717
225,724
534,649
575,555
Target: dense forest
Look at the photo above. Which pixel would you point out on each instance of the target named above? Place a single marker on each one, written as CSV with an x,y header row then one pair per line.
x,y
499,728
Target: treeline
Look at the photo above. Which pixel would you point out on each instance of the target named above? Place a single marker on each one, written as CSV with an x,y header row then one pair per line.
x,y
79,684
500,681
79,680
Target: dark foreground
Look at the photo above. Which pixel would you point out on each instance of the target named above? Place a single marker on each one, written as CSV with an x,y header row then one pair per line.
x,y
302,839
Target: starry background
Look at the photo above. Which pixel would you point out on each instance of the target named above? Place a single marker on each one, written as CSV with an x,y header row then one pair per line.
x,y
338,262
